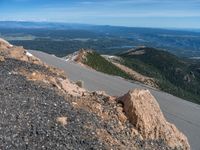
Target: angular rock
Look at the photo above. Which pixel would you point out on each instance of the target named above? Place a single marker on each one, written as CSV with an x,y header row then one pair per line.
x,y
62,120
4,44
70,88
143,111
80,83
2,59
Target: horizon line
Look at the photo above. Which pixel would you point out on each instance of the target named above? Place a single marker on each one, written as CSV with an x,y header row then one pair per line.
x,y
61,22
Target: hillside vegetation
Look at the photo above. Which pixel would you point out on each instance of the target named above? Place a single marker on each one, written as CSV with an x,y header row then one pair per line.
x,y
97,62
170,73
175,76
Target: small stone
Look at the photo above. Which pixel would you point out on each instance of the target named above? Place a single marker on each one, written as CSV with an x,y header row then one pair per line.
x,y
2,59
80,83
62,120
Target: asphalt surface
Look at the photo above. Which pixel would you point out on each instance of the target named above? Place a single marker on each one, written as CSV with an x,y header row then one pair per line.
x,y
185,115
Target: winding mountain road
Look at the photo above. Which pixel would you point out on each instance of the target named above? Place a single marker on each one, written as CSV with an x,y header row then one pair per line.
x,y
185,115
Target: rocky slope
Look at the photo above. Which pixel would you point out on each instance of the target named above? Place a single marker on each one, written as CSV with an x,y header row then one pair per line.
x,y
41,109
4,44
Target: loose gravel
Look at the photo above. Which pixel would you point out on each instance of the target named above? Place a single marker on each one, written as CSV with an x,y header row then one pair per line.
x,y
28,113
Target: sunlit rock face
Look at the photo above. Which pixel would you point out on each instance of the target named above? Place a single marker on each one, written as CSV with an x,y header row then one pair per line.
x,y
143,111
4,44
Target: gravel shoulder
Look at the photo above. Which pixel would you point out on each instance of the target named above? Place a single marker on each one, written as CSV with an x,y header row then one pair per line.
x,y
37,115
184,114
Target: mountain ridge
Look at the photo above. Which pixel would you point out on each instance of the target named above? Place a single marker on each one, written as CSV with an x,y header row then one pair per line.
x,y
172,74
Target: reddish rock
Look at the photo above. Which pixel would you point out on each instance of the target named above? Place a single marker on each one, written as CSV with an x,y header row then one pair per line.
x,y
4,44
62,120
143,111
2,59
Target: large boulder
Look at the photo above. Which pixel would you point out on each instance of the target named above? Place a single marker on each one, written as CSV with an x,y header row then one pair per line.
x,y
143,111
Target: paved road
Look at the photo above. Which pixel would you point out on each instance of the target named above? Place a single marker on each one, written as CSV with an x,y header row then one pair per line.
x,y
185,115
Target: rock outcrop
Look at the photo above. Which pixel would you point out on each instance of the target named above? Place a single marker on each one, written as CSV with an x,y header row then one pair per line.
x,y
78,56
4,44
17,52
59,81
143,111
2,59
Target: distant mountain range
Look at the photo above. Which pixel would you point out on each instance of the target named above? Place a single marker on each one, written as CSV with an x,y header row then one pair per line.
x,y
62,25
41,25
65,38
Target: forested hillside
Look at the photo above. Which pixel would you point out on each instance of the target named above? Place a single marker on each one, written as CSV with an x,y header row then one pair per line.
x,y
175,75
97,62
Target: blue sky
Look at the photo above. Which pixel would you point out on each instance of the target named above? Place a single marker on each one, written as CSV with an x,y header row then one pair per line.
x,y
140,13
